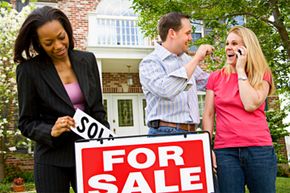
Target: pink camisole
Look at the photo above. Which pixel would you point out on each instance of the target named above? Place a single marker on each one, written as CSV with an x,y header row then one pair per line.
x,y
75,94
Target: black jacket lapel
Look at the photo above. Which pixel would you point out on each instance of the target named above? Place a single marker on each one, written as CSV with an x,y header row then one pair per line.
x,y
80,68
50,75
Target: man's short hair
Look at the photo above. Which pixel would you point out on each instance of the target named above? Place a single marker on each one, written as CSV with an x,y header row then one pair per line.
x,y
171,20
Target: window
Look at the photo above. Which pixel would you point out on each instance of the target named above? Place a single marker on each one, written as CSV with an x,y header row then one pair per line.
x,y
144,106
238,20
197,34
127,32
125,113
201,102
116,24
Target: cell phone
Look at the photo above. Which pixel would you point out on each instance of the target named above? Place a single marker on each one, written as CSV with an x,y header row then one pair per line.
x,y
240,52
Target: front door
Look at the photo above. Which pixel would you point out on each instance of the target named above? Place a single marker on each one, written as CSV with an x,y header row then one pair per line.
x,y
125,113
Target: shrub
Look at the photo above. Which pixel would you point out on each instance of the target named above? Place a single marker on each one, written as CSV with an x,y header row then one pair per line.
x,y
283,170
12,172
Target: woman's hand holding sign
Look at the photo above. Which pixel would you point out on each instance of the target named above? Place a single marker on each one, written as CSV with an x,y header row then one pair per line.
x,y
62,124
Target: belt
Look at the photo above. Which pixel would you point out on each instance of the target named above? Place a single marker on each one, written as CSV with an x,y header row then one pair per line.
x,y
183,126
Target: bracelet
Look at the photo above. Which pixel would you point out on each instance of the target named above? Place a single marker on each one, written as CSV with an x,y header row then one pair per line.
x,y
243,78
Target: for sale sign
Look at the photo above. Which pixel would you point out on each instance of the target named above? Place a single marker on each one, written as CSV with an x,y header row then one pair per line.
x,y
176,163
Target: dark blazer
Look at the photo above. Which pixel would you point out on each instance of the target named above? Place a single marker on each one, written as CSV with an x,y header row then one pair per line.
x,y
43,98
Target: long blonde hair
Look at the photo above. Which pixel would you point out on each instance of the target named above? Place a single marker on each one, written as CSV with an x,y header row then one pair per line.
x,y
257,65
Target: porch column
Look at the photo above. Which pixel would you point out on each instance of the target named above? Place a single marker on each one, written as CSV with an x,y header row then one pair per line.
x,y
99,62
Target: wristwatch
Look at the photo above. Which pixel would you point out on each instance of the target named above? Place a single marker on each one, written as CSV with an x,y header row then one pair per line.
x,y
243,78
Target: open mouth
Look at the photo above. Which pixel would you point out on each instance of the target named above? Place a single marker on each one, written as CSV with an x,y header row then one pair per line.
x,y
231,55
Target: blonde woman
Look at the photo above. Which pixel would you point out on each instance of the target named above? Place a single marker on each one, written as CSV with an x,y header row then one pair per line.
x,y
235,99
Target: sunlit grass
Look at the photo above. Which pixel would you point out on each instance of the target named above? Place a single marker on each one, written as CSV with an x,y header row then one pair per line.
x,y
282,186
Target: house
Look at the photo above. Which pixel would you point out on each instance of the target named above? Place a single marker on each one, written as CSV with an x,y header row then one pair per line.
x,y
108,28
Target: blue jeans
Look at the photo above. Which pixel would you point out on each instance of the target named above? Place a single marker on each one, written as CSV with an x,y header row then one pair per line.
x,y
171,130
165,130
255,167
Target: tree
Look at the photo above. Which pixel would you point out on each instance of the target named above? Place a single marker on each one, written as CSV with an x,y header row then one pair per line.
x,y
19,4
269,19
10,21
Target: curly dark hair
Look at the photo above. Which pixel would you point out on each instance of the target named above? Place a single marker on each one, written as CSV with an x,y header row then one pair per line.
x,y
27,40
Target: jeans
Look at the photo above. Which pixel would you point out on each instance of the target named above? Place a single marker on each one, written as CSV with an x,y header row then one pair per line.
x,y
164,130
171,130
255,167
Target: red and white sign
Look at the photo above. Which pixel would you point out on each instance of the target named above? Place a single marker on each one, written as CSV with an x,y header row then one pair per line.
x,y
175,164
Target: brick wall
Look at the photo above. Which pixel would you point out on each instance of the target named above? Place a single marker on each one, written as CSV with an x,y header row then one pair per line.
x,y
112,83
23,161
283,150
77,11
273,103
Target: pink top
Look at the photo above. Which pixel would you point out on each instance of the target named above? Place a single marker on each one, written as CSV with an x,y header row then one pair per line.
x,y
75,94
236,127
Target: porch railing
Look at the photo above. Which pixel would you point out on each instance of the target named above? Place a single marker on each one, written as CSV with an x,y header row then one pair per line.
x,y
121,31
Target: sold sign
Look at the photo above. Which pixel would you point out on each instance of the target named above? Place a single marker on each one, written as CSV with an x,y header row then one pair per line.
x,y
165,164
89,128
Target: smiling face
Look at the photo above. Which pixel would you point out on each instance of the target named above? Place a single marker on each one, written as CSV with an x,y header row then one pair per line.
x,y
54,40
183,36
232,44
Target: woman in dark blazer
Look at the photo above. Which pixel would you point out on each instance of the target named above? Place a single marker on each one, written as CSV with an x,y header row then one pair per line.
x,y
53,80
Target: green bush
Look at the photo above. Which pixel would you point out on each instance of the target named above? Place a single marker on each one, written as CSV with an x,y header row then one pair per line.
x,y
27,176
283,170
12,171
278,131
5,187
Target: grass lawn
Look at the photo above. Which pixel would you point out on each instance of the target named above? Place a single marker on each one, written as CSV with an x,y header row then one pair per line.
x,y
282,186
29,187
